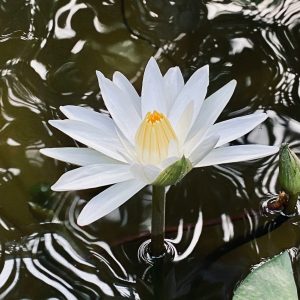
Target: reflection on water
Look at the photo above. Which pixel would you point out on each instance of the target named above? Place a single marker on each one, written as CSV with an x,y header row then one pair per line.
x,y
49,53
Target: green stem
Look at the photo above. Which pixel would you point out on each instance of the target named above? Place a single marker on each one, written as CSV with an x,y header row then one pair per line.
x,y
159,272
158,221
291,204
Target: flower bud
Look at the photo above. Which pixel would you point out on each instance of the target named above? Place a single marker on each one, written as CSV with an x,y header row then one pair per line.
x,y
174,173
289,170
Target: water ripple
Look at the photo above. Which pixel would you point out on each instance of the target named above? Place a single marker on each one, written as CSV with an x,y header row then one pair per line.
x,y
49,53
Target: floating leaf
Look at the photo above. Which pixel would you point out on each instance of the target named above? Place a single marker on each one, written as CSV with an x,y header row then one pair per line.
x,y
272,280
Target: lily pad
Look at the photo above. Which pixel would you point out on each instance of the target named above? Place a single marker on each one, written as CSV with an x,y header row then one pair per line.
x,y
272,280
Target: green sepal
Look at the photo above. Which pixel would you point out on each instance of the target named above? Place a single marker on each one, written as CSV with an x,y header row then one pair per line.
x,y
289,170
174,173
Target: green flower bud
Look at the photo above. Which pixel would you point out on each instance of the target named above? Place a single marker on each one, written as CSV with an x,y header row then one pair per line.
x,y
174,173
289,170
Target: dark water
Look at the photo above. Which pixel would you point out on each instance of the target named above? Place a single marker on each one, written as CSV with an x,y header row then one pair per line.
x,y
49,51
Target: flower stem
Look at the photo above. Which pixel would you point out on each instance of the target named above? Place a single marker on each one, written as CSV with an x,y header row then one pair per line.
x,y
291,204
158,221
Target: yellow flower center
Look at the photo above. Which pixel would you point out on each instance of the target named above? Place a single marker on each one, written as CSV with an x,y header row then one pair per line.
x,y
153,138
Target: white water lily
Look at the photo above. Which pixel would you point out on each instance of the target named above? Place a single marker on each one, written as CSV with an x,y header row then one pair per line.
x,y
147,134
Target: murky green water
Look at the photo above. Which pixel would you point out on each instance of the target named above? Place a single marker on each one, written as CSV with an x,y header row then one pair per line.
x,y
49,51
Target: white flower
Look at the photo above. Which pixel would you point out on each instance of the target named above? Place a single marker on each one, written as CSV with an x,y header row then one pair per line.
x,y
147,134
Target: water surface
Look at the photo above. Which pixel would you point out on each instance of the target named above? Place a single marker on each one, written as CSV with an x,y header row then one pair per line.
x,y
49,51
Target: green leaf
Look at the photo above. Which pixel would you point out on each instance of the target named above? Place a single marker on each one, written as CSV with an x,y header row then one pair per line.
x,y
272,280
174,173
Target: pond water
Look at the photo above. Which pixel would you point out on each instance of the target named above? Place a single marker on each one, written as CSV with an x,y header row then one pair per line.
x,y
49,51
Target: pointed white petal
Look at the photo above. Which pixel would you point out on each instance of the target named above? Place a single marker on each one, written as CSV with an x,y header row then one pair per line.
x,y
109,200
78,156
125,85
146,173
173,81
89,116
183,125
153,97
203,149
91,136
120,107
210,111
231,154
232,129
92,176
194,90
130,153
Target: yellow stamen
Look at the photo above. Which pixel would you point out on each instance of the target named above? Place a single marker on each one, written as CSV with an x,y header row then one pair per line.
x,y
154,117
153,138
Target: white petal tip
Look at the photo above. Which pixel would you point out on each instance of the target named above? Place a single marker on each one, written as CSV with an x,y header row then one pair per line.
x,y
276,149
58,188
271,151
233,82
62,186
204,69
152,62
81,222
44,151
52,122
265,116
54,188
63,108
117,73
56,123
84,220
100,76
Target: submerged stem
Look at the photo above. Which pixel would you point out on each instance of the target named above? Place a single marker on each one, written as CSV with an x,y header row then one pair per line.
x,y
158,221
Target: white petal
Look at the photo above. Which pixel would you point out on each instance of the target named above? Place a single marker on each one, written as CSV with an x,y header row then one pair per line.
x,y
153,97
120,107
231,154
77,156
174,150
210,111
173,81
91,136
146,173
92,176
203,149
130,153
232,129
109,200
89,116
169,161
125,85
194,90
183,125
